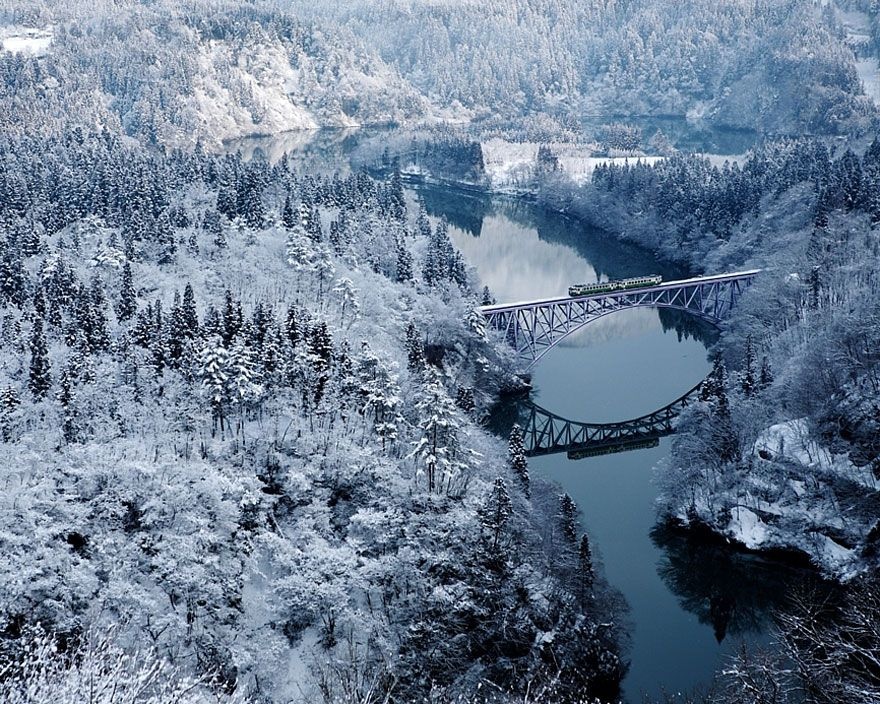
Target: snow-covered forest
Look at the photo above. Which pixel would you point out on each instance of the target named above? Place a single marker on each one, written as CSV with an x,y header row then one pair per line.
x,y
243,446
242,432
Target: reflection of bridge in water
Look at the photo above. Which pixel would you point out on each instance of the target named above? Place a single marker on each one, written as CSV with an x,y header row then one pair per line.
x,y
547,433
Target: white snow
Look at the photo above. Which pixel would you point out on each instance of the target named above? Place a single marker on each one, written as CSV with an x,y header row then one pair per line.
x,y
869,73
266,73
25,40
857,26
510,164
507,163
832,554
747,528
792,440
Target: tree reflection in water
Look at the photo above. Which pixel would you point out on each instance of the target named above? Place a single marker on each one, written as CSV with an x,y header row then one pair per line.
x,y
734,592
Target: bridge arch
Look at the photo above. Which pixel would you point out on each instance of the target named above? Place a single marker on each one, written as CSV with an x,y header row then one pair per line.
x,y
546,433
535,327
580,326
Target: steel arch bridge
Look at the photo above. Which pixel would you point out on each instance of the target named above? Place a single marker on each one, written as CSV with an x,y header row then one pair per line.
x,y
534,327
546,433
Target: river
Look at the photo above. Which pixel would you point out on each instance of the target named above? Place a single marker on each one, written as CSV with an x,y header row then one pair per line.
x,y
691,604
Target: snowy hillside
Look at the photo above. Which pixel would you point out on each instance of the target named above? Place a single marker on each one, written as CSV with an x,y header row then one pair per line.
x,y
211,76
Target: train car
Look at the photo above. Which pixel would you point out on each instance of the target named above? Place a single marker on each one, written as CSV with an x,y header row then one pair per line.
x,y
617,285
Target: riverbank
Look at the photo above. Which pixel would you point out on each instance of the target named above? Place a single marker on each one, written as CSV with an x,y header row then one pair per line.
x,y
787,530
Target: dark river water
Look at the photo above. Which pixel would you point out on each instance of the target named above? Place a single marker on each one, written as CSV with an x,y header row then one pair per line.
x,y
691,604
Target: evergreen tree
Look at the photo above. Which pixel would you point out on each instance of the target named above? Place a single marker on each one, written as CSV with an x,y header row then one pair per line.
x,y
404,261
439,424
12,275
213,225
494,515
213,370
815,284
232,318
568,519
464,399
585,572
516,457
348,299
165,238
40,380
190,319
243,375
70,429
324,268
295,325
415,350
126,307
749,379
288,216
766,377
321,353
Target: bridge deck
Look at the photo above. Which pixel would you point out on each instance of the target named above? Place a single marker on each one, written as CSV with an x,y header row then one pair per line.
x,y
644,289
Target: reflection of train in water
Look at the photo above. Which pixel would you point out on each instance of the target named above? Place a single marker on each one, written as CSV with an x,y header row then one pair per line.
x,y
618,285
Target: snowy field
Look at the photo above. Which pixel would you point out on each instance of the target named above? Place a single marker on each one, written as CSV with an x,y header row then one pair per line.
x,y
25,40
511,164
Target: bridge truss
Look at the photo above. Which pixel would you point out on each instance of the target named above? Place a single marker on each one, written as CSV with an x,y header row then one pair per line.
x,y
534,327
546,433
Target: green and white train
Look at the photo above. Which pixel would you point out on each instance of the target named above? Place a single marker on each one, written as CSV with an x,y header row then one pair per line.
x,y
618,285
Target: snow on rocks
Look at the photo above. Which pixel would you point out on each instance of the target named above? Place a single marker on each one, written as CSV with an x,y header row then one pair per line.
x,y
746,528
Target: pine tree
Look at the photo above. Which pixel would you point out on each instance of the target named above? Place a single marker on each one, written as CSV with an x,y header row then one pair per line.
x,y
516,457
40,380
348,299
213,225
65,396
164,236
12,275
766,377
324,268
243,375
250,204
190,315
176,334
439,424
568,519
487,299
748,374
9,398
335,237
295,326
321,353
585,571
126,307
464,399
300,253
493,515
815,284
232,318
213,370
288,216
404,261
415,349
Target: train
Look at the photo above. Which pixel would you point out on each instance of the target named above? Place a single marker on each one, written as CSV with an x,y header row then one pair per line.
x,y
617,285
